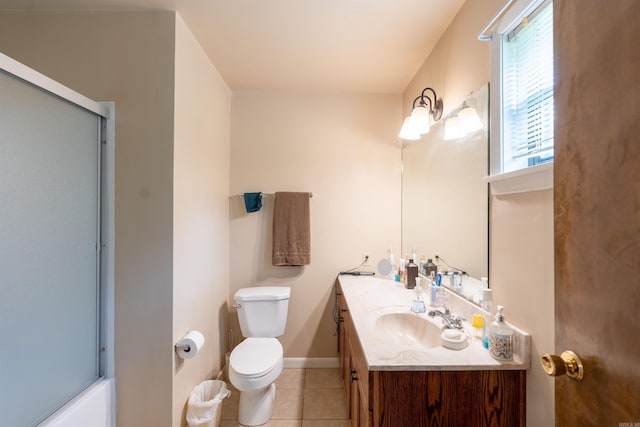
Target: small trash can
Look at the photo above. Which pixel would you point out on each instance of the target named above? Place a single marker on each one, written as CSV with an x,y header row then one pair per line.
x,y
204,406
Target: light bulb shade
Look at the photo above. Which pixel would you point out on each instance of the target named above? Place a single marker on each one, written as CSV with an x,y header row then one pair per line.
x,y
452,129
469,120
419,120
407,133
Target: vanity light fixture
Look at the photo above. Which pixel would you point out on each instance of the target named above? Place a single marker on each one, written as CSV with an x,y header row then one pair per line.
x,y
452,129
469,120
462,123
407,133
419,122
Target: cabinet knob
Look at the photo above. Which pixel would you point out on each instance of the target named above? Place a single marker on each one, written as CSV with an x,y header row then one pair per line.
x,y
354,375
567,363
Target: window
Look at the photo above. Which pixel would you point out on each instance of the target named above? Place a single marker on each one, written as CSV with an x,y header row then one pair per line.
x,y
522,114
527,91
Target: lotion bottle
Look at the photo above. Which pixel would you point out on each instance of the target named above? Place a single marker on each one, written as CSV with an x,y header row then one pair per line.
x,y
500,338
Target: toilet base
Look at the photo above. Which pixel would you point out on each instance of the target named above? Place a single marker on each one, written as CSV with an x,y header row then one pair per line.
x,y
256,407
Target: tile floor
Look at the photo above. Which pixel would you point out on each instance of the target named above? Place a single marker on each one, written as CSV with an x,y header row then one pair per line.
x,y
304,398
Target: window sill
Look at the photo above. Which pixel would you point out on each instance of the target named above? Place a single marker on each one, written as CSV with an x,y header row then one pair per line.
x,y
521,181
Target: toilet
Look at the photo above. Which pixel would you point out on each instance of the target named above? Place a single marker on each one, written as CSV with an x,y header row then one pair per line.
x,y
256,362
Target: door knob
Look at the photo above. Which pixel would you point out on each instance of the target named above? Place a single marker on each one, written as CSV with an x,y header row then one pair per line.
x,y
567,363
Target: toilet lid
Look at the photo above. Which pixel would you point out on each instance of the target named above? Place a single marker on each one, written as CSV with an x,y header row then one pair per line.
x,y
255,357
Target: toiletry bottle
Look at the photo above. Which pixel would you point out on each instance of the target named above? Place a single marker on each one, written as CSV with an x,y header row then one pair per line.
x,y
478,326
422,265
487,313
434,288
414,255
500,338
403,270
412,273
417,305
484,284
430,267
457,282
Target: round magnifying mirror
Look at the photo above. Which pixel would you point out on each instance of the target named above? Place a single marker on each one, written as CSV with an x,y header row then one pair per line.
x,y
384,267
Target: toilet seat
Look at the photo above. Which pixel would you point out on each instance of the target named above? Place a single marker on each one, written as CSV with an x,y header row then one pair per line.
x,y
255,364
256,357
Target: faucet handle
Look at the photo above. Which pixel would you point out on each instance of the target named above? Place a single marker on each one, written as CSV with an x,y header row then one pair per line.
x,y
456,321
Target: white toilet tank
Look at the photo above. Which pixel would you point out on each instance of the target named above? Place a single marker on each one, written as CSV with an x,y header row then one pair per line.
x,y
262,311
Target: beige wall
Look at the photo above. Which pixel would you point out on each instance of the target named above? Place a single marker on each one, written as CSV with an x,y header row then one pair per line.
x,y
126,58
344,149
171,270
522,276
521,239
200,213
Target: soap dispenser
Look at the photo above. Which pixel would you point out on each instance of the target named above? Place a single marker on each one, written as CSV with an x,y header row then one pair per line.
x,y
417,305
500,338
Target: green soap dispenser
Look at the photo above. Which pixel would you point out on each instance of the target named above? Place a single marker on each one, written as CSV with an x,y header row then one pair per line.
x,y
500,338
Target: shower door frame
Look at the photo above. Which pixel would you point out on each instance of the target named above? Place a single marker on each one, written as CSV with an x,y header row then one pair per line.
x,y
106,172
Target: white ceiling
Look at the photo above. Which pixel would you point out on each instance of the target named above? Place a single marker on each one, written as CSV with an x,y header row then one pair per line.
x,y
330,45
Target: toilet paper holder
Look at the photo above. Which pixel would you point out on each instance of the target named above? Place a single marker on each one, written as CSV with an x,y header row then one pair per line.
x,y
190,345
184,347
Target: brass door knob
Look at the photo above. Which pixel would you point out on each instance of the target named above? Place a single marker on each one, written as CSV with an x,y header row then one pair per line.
x,y
567,363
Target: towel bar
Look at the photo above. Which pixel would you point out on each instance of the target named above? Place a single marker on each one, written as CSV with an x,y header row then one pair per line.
x,y
272,194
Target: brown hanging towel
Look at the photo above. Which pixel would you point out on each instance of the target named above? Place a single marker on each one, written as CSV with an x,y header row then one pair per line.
x,y
291,229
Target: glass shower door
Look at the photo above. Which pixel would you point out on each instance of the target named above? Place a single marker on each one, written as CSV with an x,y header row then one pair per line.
x,y
49,251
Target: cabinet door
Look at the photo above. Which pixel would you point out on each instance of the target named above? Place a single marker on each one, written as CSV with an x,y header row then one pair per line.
x,y
354,401
364,417
345,349
361,371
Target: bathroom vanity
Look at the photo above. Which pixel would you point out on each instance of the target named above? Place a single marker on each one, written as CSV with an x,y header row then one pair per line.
x,y
396,373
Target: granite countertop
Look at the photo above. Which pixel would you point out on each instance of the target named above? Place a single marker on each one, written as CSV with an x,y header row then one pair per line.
x,y
368,298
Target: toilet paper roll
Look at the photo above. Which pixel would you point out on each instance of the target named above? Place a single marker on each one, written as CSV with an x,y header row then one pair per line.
x,y
190,345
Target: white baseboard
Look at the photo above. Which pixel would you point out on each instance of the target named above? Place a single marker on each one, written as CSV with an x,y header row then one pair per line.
x,y
293,363
311,362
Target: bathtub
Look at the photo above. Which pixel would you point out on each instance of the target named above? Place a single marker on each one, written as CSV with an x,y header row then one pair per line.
x,y
94,407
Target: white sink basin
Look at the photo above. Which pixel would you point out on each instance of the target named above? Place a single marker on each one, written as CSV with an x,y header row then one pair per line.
x,y
408,330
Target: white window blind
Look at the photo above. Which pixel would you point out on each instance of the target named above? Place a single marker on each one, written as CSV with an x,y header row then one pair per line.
x,y
527,91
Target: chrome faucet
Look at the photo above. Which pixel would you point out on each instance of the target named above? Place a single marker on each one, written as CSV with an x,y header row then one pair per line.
x,y
450,321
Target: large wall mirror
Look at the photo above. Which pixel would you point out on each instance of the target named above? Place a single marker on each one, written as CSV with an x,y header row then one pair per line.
x,y
445,203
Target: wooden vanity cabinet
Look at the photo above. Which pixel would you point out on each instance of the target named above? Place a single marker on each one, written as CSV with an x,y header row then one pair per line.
x,y
355,373
425,398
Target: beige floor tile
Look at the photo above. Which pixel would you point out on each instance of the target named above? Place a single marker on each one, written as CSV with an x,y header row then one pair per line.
x,y
271,423
324,404
326,423
288,404
230,405
291,378
323,378
284,423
